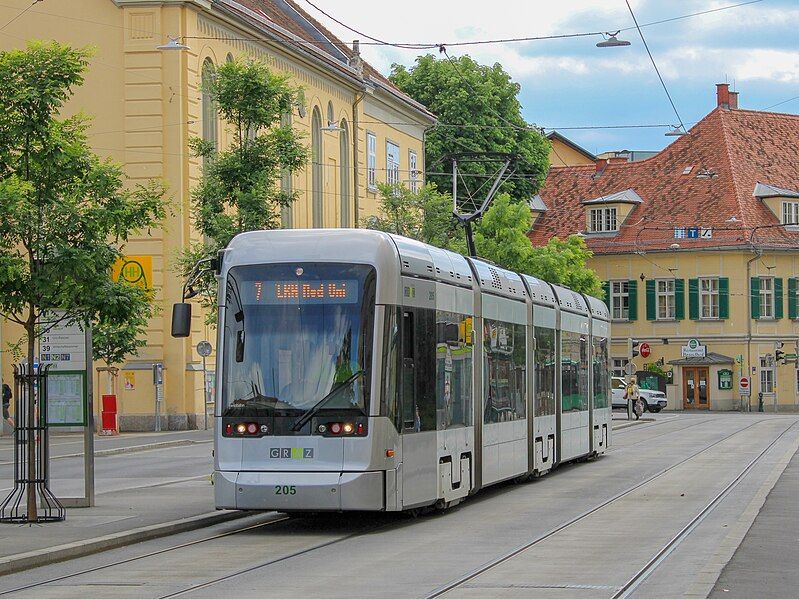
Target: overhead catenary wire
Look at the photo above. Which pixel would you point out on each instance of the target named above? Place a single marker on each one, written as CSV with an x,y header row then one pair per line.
x,y
654,64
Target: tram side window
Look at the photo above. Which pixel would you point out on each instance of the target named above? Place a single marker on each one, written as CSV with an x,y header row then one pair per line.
x,y
418,370
601,372
391,368
453,370
504,367
544,371
574,372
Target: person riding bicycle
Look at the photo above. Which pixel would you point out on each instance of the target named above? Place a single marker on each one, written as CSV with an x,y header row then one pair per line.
x,y
633,393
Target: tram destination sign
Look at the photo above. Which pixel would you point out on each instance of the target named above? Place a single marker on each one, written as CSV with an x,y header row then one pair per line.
x,y
340,291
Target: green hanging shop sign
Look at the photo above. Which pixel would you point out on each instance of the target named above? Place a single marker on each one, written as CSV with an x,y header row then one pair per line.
x,y
725,379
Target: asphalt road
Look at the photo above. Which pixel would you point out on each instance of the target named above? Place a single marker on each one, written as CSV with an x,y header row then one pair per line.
x,y
671,494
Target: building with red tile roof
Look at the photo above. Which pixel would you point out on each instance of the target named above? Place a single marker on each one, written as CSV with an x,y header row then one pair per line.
x,y
700,241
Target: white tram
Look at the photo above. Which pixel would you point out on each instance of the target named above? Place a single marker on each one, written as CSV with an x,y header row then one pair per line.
x,y
365,371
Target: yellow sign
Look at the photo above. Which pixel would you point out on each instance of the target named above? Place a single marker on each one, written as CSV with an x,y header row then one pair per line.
x,y
130,381
136,270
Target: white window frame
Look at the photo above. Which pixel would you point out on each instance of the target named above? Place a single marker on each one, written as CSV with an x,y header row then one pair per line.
x,y
619,292
767,298
392,168
619,365
766,376
371,161
709,298
790,213
413,161
603,220
665,296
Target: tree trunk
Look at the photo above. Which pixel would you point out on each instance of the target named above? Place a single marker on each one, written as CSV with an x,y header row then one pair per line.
x,y
31,437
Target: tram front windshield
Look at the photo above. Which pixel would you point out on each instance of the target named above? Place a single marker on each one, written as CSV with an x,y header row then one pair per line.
x,y
297,337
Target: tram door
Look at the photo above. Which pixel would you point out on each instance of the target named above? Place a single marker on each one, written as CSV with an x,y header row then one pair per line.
x,y
418,394
696,388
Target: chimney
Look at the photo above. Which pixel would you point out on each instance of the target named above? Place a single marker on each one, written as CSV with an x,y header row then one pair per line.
x,y
733,100
356,62
723,95
618,160
601,163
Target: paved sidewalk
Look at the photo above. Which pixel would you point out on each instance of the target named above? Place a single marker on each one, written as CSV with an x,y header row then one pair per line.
x,y
764,565
120,517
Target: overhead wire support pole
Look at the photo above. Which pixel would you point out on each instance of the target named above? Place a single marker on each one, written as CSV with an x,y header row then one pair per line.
x,y
467,219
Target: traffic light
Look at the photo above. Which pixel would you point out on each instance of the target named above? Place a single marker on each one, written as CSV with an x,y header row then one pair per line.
x,y
632,347
779,354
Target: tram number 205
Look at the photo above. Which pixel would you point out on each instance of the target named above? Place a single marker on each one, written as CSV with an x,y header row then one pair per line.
x,y
285,490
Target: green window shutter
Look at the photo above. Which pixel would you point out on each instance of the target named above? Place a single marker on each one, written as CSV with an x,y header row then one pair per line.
x,y
754,296
679,299
606,289
792,298
724,298
632,289
651,307
778,297
693,299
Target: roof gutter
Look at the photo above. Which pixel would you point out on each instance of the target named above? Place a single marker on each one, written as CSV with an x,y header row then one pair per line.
x,y
241,15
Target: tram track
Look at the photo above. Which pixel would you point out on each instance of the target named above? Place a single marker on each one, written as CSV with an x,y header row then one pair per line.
x,y
652,564
370,529
276,519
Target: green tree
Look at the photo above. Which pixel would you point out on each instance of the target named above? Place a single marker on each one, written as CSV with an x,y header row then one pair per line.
x,y
114,341
563,262
425,215
65,210
478,110
240,187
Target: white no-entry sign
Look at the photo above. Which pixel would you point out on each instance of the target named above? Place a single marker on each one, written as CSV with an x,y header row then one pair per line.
x,y
743,386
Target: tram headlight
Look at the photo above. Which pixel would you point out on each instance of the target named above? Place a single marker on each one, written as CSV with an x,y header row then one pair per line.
x,y
321,428
252,428
241,428
348,428
335,428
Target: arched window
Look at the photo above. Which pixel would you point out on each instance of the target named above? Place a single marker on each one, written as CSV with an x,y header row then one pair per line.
x,y
344,161
317,206
229,57
286,214
210,113
331,115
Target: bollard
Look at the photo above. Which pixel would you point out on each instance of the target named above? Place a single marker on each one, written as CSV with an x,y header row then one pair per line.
x,y
760,402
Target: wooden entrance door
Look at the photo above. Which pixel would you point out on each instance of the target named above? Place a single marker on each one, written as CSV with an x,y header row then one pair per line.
x,y
696,388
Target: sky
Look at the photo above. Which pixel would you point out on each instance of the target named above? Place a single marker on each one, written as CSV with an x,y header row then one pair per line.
x,y
571,83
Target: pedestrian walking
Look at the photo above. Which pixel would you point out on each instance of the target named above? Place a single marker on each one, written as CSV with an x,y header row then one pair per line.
x,y
7,397
633,394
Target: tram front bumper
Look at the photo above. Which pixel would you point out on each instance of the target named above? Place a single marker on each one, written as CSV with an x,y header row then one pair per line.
x,y
299,491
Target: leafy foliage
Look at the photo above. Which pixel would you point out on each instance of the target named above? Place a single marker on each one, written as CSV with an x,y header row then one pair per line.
x,y
113,341
65,210
425,215
240,188
467,112
564,262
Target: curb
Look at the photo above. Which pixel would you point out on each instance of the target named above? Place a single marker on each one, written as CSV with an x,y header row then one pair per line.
x,y
128,449
68,551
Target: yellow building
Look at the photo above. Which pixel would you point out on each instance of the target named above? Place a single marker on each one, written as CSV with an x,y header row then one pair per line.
x,y
147,103
564,152
699,248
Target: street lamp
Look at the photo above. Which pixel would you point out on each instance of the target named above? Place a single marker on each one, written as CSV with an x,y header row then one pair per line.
x,y
612,41
174,43
332,127
676,131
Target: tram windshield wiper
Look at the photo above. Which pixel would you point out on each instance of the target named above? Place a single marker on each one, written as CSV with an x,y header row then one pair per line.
x,y
310,413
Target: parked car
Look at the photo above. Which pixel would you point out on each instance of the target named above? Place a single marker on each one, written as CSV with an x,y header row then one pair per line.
x,y
654,401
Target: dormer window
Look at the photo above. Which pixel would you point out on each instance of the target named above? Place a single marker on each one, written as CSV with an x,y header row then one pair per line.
x,y
602,220
790,213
